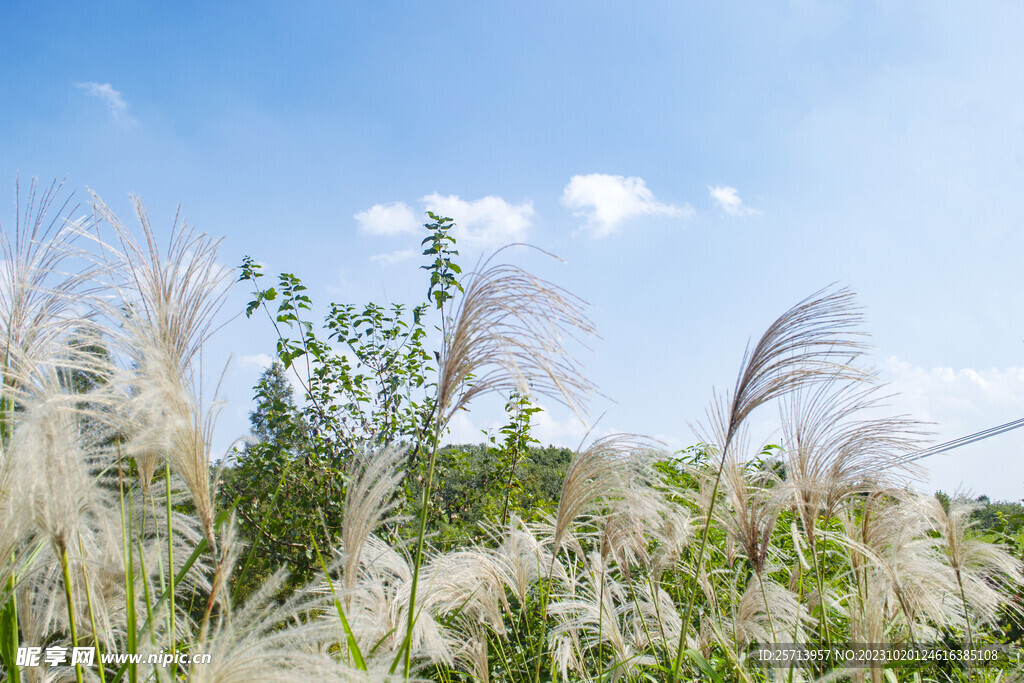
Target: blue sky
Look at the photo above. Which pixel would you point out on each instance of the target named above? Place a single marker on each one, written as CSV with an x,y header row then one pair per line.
x,y
700,168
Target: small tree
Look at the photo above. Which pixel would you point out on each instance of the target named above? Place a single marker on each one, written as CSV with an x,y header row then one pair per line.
x,y
366,380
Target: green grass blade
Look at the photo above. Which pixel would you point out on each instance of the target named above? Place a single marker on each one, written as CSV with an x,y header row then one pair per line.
x,y
9,634
178,578
353,646
703,664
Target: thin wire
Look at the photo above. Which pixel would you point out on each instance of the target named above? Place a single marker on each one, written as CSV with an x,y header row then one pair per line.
x,y
965,440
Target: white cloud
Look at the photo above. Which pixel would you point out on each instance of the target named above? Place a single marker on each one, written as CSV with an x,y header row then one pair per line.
x,y
388,219
567,430
608,200
962,402
482,223
728,200
104,91
486,222
393,257
462,430
559,428
255,361
342,286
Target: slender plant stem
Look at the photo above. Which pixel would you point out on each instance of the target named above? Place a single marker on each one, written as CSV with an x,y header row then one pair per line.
x,y
600,622
170,568
508,487
636,603
698,564
823,621
544,594
767,610
418,556
9,628
71,606
967,615
655,594
92,614
129,573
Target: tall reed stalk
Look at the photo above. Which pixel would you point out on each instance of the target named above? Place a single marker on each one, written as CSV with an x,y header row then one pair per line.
x,y
800,348
68,593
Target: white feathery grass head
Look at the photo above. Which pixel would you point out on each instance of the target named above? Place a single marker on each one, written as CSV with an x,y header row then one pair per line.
x,y
653,617
767,613
13,515
461,596
624,536
168,305
469,581
592,615
986,572
56,472
473,655
743,498
369,601
271,639
56,464
899,565
644,526
815,339
674,532
510,333
178,294
376,606
59,456
754,498
834,453
37,299
604,471
149,526
524,556
369,500
565,657
455,589
41,603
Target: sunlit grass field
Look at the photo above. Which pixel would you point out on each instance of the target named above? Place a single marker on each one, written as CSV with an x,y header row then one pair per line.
x,y
335,545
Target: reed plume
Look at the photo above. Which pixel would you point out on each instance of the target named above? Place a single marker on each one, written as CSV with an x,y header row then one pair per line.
x,y
767,611
369,501
167,306
754,498
986,574
510,333
592,616
605,471
813,340
833,453
37,295
524,556
272,639
643,526
898,569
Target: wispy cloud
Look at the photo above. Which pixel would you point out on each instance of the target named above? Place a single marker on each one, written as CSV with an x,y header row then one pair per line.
x,y
393,257
255,361
480,223
395,218
487,222
606,201
558,428
961,402
728,199
342,285
113,99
